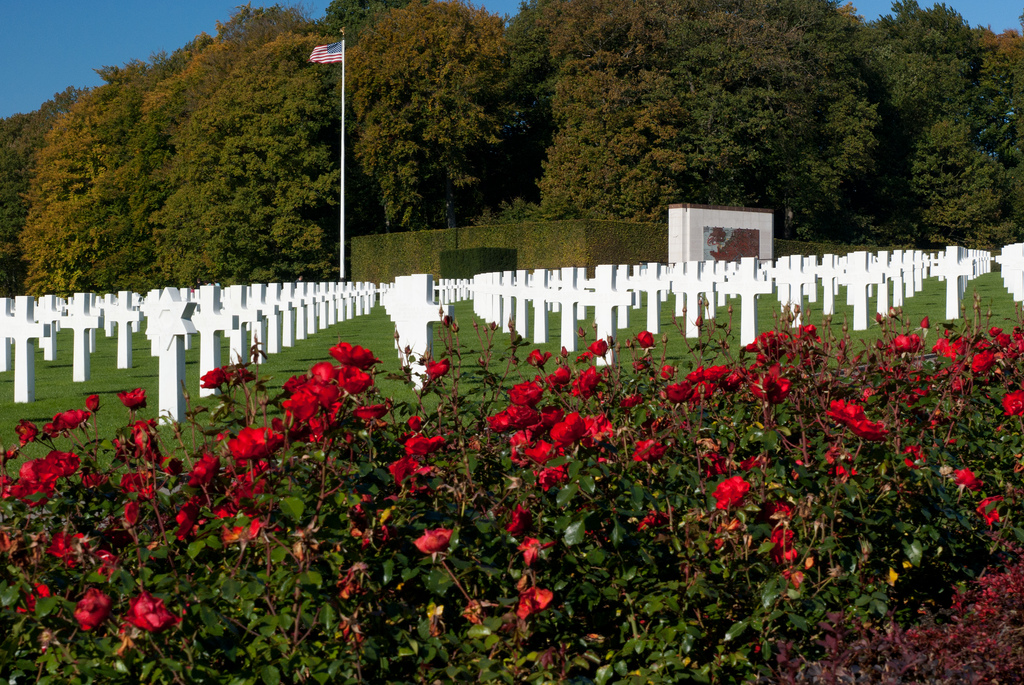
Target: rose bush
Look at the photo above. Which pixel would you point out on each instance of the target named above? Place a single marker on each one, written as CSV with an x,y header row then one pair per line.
x,y
629,522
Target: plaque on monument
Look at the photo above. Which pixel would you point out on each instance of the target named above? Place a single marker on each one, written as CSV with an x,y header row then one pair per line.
x,y
725,234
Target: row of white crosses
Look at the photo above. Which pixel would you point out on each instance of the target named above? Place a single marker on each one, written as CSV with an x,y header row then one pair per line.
x,y
273,315
701,287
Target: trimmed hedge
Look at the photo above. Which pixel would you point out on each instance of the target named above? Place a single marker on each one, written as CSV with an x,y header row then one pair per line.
x,y
785,248
538,245
477,260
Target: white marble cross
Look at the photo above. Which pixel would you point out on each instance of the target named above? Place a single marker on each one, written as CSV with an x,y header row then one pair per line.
x,y
124,311
211,320
410,305
748,282
22,329
167,324
49,309
81,320
6,318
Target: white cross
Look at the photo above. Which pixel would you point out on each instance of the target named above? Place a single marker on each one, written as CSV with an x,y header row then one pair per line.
x,y
22,329
81,320
167,325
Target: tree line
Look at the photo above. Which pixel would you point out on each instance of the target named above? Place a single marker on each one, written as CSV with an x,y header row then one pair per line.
x,y
221,161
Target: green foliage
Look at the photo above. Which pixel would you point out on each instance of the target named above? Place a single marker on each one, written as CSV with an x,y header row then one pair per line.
x,y
676,528
538,245
476,260
254,179
425,88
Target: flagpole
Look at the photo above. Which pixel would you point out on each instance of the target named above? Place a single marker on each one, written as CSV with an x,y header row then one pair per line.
x,y
342,229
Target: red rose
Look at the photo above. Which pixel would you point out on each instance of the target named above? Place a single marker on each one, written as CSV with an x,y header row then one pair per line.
x,y
214,379
134,399
71,419
531,549
532,601
783,552
149,613
668,372
988,510
924,323
730,492
434,541
569,431
522,417
302,405
538,358
542,452
771,387
1013,403
560,377
93,609
186,518
599,348
983,362
679,392
131,512
353,355
526,394
92,402
868,430
421,446
254,444
965,478
907,344
372,411
500,422
406,467
586,385
550,477
63,463
353,380
27,432
645,339
522,521
325,372
204,471
436,370
648,450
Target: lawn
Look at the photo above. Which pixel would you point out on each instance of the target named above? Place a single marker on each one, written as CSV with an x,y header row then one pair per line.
x,y
55,392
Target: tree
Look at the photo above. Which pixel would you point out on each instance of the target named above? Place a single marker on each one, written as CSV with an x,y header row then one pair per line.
x,y
425,91
733,103
960,190
254,178
94,189
923,67
21,136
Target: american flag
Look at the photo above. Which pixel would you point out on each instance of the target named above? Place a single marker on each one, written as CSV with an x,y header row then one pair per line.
x,y
328,54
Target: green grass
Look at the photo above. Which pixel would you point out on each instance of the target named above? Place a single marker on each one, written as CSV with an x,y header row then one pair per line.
x,y
55,392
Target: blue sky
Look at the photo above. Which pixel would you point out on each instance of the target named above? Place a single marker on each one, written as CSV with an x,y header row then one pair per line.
x,y
87,34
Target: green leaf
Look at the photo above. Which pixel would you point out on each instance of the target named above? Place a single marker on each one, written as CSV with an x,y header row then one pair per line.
x,y
735,630
196,547
770,593
565,494
618,532
798,621
311,578
44,605
603,674
914,551
574,533
210,620
292,507
477,632
270,675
